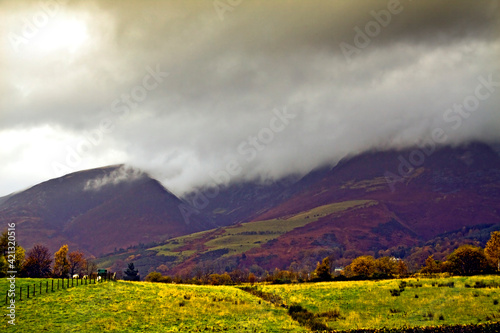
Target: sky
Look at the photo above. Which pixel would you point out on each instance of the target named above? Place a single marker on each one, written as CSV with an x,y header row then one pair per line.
x,y
200,92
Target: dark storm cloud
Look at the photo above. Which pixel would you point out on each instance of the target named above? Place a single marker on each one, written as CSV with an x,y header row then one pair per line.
x,y
230,71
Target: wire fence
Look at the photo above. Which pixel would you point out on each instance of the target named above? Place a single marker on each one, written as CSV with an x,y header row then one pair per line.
x,y
31,290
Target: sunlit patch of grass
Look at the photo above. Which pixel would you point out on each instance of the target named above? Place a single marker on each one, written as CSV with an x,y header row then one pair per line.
x,y
369,304
241,238
140,306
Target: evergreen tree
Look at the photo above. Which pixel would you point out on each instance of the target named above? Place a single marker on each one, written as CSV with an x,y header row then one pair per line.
x,y
131,274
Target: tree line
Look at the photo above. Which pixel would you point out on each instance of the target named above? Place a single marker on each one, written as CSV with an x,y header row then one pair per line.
x,y
38,262
465,260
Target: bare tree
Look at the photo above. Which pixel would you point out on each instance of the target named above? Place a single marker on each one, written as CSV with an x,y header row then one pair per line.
x,y
76,262
90,267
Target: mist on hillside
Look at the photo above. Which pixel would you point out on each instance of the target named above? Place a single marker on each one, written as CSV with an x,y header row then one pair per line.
x,y
195,93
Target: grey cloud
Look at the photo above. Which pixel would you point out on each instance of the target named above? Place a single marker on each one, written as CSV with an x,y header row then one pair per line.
x,y
123,173
226,78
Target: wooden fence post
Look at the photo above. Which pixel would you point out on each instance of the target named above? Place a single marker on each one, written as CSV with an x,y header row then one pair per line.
x,y
40,287
57,284
20,293
34,290
28,291
68,282
46,286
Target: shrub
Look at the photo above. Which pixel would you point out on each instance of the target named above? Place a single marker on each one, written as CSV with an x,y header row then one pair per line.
x,y
154,277
468,260
480,284
395,292
332,314
306,318
429,315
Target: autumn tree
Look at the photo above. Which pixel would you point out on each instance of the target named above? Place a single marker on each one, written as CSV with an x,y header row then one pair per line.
x,y
386,266
19,259
76,262
492,249
468,260
322,271
402,268
431,266
11,257
4,266
37,263
252,278
363,266
61,263
154,277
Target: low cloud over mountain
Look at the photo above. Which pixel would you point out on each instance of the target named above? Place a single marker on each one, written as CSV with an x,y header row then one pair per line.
x,y
204,91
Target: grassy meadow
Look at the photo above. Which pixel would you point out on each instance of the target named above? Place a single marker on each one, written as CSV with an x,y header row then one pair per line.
x,y
423,302
157,307
141,306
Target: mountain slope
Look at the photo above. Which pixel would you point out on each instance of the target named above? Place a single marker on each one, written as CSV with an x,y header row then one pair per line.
x,y
452,188
97,211
372,203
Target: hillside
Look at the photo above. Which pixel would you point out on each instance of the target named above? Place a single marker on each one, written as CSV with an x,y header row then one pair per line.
x,y
373,203
346,211
97,211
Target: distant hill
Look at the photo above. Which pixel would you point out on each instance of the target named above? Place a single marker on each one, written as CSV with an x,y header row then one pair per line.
x,y
97,211
374,203
380,202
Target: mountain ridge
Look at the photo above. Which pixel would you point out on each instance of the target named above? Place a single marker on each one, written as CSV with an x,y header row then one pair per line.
x,y
298,220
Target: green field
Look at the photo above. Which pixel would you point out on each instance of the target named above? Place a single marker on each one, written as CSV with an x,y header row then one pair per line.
x,y
141,306
157,307
367,304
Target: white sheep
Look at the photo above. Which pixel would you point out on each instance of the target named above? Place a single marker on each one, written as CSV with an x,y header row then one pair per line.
x,y
76,276
98,278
